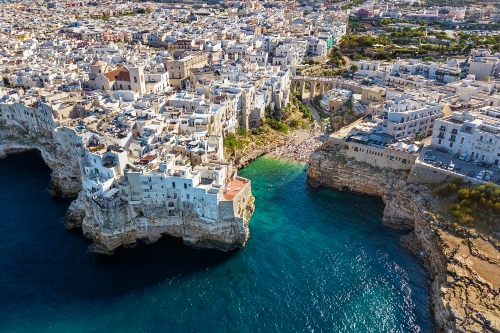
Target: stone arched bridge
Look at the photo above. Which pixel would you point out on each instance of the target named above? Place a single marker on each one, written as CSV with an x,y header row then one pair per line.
x,y
322,84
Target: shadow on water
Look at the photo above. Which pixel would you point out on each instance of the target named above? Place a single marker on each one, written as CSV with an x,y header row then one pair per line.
x,y
28,161
150,264
58,259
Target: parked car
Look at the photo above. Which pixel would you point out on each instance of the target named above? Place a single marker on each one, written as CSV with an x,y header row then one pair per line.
x,y
487,165
481,164
442,149
439,163
451,167
430,158
497,181
476,162
462,157
456,156
480,175
429,152
487,177
457,168
444,166
471,174
468,159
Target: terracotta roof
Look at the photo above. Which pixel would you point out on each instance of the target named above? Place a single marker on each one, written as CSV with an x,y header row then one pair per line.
x,y
120,74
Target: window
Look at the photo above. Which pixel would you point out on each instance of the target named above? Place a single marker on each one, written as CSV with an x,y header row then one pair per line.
x,y
187,196
185,186
451,144
391,158
173,184
135,79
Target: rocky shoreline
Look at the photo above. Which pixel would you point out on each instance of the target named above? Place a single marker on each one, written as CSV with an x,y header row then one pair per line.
x,y
462,266
125,226
64,179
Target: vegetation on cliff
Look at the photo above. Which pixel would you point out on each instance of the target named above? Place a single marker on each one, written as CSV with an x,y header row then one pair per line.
x,y
472,205
272,131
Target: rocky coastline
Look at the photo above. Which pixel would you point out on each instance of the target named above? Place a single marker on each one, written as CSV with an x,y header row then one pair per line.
x,y
125,226
65,178
463,297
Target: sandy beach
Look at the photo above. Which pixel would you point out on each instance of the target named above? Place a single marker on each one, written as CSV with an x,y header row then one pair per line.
x,y
299,146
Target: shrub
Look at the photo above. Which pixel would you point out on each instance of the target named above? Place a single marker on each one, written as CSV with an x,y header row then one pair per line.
x,y
463,193
231,142
242,131
277,125
476,200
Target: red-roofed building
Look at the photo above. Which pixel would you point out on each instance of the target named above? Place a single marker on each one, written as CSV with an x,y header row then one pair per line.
x,y
122,78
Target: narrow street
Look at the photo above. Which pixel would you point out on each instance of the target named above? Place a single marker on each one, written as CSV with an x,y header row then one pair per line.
x,y
316,116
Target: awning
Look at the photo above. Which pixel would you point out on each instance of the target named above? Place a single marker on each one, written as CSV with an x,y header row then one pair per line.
x,y
111,192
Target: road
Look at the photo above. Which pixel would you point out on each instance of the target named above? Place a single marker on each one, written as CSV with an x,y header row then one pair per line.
x,y
316,116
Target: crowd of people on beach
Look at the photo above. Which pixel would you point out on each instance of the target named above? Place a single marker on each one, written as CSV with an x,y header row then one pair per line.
x,y
298,148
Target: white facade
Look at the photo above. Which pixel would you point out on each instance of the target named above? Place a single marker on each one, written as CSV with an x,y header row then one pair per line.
x,y
476,134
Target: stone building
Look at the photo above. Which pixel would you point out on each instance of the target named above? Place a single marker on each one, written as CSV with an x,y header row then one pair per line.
x,y
179,67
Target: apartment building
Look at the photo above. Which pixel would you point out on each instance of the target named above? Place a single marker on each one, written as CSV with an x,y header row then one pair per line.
x,y
475,134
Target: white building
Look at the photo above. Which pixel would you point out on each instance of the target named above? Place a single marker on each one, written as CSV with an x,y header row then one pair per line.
x,y
475,134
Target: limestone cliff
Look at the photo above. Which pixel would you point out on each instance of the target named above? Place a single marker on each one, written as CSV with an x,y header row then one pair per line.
x,y
463,290
65,176
125,225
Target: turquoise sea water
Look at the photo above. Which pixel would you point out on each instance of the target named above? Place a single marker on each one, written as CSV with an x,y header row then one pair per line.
x,y
317,261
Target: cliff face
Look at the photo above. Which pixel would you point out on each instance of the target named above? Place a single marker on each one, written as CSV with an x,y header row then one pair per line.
x,y
463,297
65,176
125,225
327,167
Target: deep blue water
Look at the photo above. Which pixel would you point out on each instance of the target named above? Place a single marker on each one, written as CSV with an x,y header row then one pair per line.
x,y
317,260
